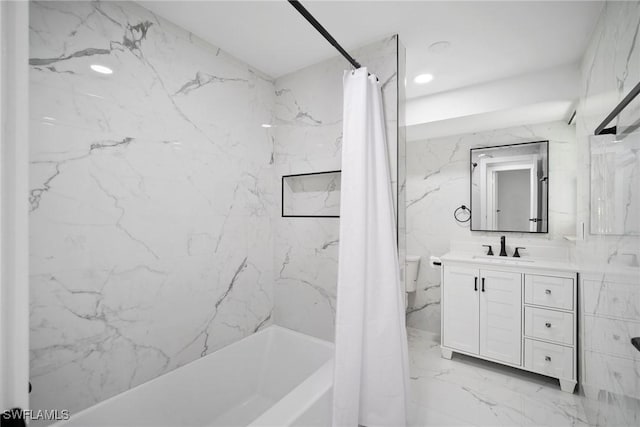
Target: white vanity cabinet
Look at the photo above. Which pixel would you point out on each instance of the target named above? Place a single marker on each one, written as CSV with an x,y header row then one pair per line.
x,y
512,313
461,309
482,313
500,316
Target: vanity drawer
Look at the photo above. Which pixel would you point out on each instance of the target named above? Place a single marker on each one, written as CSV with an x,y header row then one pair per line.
x,y
549,325
548,291
548,359
611,336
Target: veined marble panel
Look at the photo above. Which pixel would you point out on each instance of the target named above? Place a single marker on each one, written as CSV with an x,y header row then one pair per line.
x,y
308,138
607,193
152,199
610,69
438,183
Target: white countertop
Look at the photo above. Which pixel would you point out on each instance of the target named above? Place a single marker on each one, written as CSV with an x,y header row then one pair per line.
x,y
517,263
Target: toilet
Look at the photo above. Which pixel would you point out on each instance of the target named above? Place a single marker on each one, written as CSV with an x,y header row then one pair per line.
x,y
412,267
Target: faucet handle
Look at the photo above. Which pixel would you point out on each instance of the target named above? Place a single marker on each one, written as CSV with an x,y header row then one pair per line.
x,y
516,254
490,251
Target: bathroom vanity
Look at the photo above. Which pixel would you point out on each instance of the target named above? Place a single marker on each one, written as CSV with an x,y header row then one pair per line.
x,y
518,312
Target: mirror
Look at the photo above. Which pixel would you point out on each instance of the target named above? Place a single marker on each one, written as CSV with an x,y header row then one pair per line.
x,y
509,188
615,193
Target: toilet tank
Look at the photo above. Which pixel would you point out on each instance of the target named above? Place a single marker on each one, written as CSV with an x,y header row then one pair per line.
x,y
412,269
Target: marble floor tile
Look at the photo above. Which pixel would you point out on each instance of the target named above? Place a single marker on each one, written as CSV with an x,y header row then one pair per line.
x,y
466,391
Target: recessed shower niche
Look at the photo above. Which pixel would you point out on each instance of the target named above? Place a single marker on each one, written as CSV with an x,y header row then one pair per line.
x,y
311,195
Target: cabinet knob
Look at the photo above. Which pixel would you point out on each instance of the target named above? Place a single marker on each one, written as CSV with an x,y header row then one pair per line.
x,y
616,337
547,291
548,325
547,358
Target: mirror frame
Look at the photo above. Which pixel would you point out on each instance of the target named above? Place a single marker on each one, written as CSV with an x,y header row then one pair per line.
x,y
471,186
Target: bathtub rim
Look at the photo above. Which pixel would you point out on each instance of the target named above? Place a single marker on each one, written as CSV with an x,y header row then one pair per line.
x,y
294,404
271,329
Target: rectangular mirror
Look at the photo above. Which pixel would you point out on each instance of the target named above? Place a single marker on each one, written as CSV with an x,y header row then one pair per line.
x,y
615,193
509,188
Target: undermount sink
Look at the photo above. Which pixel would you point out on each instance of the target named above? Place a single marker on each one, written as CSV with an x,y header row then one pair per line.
x,y
503,259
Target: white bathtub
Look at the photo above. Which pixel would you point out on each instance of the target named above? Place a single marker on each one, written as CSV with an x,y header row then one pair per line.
x,y
276,377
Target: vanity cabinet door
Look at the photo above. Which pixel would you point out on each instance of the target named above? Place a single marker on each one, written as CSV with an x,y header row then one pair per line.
x,y
460,309
500,316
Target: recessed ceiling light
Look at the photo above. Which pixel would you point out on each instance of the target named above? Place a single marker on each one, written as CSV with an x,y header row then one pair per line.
x,y
101,69
423,78
439,47
266,125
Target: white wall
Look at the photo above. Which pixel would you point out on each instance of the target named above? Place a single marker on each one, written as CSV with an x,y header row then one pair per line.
x,y
611,67
542,112
14,252
308,138
556,84
152,195
438,182
155,209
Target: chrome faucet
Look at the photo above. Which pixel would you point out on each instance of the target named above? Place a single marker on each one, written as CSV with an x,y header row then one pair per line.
x,y
503,249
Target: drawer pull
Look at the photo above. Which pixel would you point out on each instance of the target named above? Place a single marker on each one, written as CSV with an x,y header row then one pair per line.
x,y
548,325
547,358
547,291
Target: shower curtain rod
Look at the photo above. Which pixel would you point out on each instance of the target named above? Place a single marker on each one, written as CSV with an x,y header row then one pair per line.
x,y
602,129
309,17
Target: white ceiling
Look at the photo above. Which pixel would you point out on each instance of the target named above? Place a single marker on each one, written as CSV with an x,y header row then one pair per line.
x,y
489,40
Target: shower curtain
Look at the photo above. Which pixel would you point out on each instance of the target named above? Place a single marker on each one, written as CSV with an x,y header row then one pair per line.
x,y
371,375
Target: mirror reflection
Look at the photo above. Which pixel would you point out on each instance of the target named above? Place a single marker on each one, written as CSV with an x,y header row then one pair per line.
x,y
615,195
509,188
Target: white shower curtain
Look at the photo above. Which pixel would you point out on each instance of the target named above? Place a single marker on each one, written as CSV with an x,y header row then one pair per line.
x,y
371,374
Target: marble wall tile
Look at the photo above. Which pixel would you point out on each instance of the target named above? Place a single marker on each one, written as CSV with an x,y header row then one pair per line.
x,y
438,182
308,138
152,200
609,268
610,69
